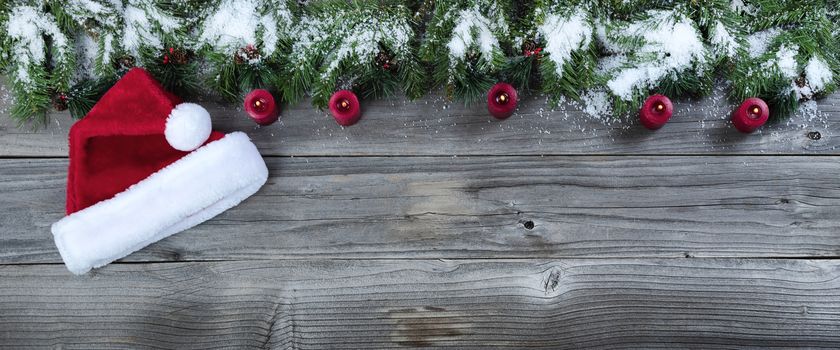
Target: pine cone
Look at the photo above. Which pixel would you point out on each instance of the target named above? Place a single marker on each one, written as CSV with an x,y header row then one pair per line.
x,y
530,48
246,54
529,45
384,60
801,81
124,63
179,56
59,101
472,56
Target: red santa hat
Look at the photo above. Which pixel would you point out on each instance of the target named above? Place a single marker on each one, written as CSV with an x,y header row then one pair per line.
x,y
144,166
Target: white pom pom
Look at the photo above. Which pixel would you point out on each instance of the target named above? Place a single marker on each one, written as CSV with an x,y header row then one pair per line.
x,y
187,127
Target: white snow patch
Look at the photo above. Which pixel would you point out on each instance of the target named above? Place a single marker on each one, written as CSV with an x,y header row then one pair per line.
x,y
723,41
27,27
786,61
759,41
608,64
609,46
365,31
740,7
238,23
673,40
469,21
105,12
144,25
270,36
564,35
819,74
107,46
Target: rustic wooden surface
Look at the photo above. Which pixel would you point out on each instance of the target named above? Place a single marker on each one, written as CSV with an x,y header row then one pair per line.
x,y
430,225
477,304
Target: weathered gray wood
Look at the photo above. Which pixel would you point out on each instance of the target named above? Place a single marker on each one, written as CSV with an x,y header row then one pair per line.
x,y
480,207
372,304
433,126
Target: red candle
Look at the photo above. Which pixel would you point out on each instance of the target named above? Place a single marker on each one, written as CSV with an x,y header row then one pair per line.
x,y
751,115
345,108
656,111
261,107
502,100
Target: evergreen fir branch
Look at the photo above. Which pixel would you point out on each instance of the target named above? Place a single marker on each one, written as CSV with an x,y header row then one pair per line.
x,y
301,79
189,11
341,48
232,79
470,86
175,68
412,76
92,16
130,28
577,76
244,59
332,44
723,30
147,26
523,72
645,61
5,42
41,63
465,43
765,14
83,96
800,62
62,65
629,10
568,56
32,100
372,82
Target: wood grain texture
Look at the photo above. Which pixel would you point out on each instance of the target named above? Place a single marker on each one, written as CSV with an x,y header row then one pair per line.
x,y
376,304
481,207
434,126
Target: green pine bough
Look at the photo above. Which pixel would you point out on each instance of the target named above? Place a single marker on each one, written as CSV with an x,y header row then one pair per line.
x,y
65,54
367,47
466,43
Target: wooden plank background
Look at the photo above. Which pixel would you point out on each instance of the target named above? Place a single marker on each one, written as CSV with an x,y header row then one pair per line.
x,y
431,225
474,304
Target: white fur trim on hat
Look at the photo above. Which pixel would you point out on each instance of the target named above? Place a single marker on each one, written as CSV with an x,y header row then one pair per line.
x,y
195,188
188,127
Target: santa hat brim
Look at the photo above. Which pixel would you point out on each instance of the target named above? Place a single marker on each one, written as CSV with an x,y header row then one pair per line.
x,y
197,187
